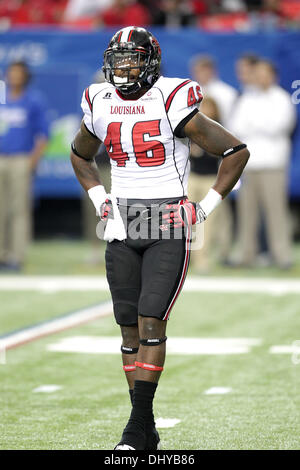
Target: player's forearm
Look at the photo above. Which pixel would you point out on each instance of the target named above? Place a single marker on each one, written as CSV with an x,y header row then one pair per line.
x,y
210,135
84,148
86,172
230,171
213,138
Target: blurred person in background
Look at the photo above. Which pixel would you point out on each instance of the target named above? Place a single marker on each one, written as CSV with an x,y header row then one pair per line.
x,y
204,169
245,71
21,12
254,5
124,13
266,119
265,14
246,74
23,140
174,14
233,5
204,71
77,9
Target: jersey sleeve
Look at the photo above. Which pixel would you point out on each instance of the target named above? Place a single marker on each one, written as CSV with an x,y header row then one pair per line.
x,y
87,108
182,104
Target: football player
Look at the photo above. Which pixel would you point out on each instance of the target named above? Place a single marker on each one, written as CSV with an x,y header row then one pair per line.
x,y
146,122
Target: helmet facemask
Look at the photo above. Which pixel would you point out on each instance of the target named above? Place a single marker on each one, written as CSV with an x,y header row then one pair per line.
x,y
126,69
132,64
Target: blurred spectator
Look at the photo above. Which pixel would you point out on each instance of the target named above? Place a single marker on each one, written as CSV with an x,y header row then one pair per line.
x,y
254,5
200,7
233,5
23,139
265,14
22,12
204,71
245,70
204,168
265,120
125,13
76,9
174,14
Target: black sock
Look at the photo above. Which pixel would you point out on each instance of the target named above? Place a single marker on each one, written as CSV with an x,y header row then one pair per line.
x,y
135,432
143,395
131,395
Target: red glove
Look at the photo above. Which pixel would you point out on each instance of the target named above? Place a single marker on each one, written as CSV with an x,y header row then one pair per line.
x,y
106,210
184,213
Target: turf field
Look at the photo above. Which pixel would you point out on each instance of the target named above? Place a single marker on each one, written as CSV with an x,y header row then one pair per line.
x,y
261,409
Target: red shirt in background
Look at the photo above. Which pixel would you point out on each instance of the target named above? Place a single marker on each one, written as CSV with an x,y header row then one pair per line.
x,y
126,16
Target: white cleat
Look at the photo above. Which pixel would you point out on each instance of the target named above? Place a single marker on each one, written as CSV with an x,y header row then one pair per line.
x,y
124,447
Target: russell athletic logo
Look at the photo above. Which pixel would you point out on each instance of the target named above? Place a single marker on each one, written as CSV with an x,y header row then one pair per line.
x,y
127,110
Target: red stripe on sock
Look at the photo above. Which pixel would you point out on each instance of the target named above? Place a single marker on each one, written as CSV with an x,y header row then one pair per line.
x,y
143,365
129,368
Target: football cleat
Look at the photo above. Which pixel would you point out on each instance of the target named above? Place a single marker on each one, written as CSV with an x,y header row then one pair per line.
x,y
123,447
133,437
153,439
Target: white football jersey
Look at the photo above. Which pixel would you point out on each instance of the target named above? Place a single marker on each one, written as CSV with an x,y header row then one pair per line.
x,y
149,159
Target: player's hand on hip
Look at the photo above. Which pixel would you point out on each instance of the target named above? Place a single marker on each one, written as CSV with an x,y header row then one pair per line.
x,y
106,210
101,201
184,213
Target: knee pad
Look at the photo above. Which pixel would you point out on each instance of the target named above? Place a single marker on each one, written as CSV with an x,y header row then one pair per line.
x,y
125,314
152,304
129,350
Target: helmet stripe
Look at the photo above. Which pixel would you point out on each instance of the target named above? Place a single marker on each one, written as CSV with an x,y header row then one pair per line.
x,y
129,36
126,32
87,97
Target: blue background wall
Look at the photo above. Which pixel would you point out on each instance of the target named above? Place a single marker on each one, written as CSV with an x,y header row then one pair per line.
x,y
64,64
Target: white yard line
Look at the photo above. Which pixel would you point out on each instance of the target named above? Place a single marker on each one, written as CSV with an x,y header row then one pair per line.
x,y
218,391
53,283
192,284
55,326
47,389
163,423
286,348
175,345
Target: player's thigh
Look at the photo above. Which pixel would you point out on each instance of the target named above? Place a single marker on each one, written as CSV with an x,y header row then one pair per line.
x,y
164,268
123,271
